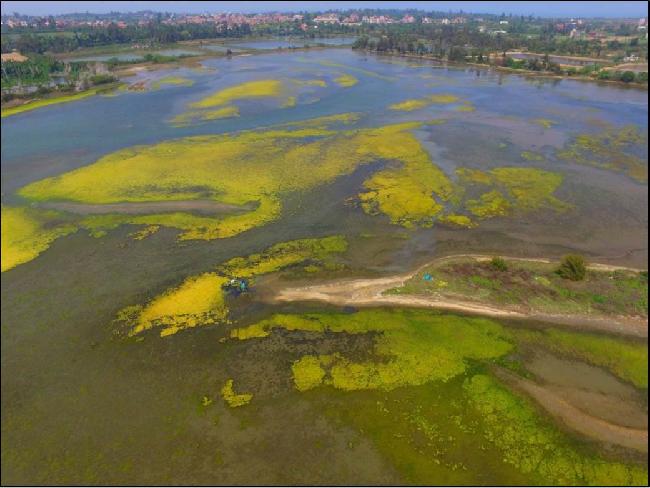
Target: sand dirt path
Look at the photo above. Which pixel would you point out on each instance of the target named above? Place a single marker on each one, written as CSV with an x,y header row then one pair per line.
x,y
369,292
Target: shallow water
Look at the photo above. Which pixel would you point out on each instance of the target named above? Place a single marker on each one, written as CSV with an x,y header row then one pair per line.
x,y
136,56
297,42
83,405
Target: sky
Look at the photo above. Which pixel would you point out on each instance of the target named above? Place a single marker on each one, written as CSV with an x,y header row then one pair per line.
x,y
542,9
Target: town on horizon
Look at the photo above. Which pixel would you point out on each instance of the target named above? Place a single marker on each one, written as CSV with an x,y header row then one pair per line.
x,y
343,18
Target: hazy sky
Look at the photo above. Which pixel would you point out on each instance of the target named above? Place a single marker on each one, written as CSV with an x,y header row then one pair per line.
x,y
544,9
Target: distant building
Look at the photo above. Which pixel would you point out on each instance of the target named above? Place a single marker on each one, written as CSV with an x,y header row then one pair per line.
x,y
377,19
327,19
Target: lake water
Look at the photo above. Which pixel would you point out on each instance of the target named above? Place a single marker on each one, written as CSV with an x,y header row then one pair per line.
x,y
136,56
82,405
297,42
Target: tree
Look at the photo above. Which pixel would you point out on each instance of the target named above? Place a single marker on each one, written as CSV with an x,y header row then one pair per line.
x,y
627,76
573,267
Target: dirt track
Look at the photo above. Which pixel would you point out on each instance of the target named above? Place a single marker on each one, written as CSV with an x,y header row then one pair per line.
x,y
369,292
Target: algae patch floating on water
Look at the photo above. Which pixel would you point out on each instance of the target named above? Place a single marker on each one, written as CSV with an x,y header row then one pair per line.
x,y
243,91
615,149
28,232
254,170
231,169
197,301
171,80
234,399
412,347
415,104
200,110
512,189
512,425
417,352
346,80
201,300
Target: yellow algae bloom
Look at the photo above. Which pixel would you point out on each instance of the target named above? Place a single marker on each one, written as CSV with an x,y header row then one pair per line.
x,y
406,193
197,301
443,98
457,220
531,188
26,107
545,123
308,371
346,80
28,232
320,83
613,149
354,69
412,347
144,233
490,204
466,107
284,254
309,323
171,80
532,156
243,91
220,113
409,105
290,102
233,399
527,189
474,176
418,103
254,170
250,167
325,122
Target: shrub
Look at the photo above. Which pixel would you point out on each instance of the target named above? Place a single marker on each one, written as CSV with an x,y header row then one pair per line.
x,y
573,267
499,264
627,76
102,78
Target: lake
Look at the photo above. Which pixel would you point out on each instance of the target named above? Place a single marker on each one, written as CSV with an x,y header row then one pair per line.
x,y
85,403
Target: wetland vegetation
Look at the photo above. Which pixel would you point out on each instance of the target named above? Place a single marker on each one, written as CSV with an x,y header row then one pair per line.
x,y
197,278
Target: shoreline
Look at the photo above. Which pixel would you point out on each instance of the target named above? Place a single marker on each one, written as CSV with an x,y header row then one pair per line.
x,y
29,104
504,69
